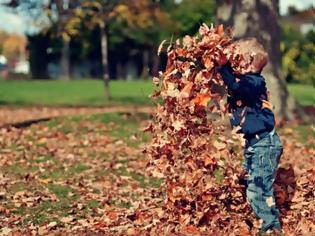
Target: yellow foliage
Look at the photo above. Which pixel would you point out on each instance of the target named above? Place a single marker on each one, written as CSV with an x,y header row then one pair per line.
x,y
71,28
14,46
141,14
92,4
121,9
66,37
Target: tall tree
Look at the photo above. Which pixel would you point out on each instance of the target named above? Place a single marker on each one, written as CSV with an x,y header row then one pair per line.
x,y
62,10
99,13
38,45
259,18
147,23
140,16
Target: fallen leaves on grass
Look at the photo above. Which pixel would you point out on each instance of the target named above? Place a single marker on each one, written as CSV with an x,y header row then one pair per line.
x,y
85,179
64,175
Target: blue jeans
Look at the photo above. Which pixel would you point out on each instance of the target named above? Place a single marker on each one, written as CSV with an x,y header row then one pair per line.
x,y
261,162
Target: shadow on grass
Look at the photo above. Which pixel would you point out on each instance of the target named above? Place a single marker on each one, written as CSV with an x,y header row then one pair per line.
x,y
15,103
90,102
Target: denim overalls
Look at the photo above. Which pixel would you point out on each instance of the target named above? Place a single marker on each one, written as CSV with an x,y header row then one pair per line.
x,y
261,162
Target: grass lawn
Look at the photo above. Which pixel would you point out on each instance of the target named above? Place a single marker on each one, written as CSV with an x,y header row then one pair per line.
x,y
90,93
74,93
305,94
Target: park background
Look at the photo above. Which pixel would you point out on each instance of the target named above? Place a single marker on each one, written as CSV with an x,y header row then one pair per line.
x,y
75,76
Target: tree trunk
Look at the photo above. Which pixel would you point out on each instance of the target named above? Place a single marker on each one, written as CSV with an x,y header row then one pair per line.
x,y
37,46
119,70
155,63
259,19
65,60
145,63
104,50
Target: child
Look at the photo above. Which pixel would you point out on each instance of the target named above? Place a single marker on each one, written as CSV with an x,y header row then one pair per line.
x,y
248,103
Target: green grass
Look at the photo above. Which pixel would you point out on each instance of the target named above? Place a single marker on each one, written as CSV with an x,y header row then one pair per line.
x,y
305,94
74,93
91,93
305,132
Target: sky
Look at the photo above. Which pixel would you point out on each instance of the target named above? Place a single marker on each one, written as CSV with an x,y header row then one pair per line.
x,y
15,24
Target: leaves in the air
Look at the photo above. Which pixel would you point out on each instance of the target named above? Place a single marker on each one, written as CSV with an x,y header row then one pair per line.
x,y
190,147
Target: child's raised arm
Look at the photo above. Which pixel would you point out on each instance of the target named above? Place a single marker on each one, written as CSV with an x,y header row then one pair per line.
x,y
228,77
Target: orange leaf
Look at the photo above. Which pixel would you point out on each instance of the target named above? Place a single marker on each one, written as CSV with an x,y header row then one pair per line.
x,y
191,229
208,63
201,99
208,160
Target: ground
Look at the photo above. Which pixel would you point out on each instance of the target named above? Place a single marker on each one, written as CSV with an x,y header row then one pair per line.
x,y
65,171
62,174
69,169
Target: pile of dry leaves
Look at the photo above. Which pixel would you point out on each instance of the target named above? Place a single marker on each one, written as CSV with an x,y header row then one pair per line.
x,y
189,149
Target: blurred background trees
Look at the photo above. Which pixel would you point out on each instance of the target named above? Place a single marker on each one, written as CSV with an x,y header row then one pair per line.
x,y
69,34
298,53
72,35
118,39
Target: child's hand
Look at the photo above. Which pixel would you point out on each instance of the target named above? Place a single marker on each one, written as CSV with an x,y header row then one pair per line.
x,y
266,104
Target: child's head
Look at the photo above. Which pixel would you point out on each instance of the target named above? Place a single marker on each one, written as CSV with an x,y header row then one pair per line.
x,y
252,55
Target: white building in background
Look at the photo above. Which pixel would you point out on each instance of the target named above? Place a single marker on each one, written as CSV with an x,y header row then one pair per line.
x,y
3,60
304,20
22,67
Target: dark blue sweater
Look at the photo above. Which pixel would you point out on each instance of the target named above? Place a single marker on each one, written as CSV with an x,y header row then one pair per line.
x,y
245,103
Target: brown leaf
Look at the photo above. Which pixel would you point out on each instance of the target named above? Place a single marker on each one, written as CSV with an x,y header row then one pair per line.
x,y
67,219
161,47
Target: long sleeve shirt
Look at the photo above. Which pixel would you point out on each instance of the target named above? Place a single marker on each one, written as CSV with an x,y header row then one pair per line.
x,y
246,94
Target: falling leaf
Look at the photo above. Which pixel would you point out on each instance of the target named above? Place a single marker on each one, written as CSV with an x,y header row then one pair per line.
x,y
178,124
156,80
201,99
185,92
190,229
161,47
219,145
